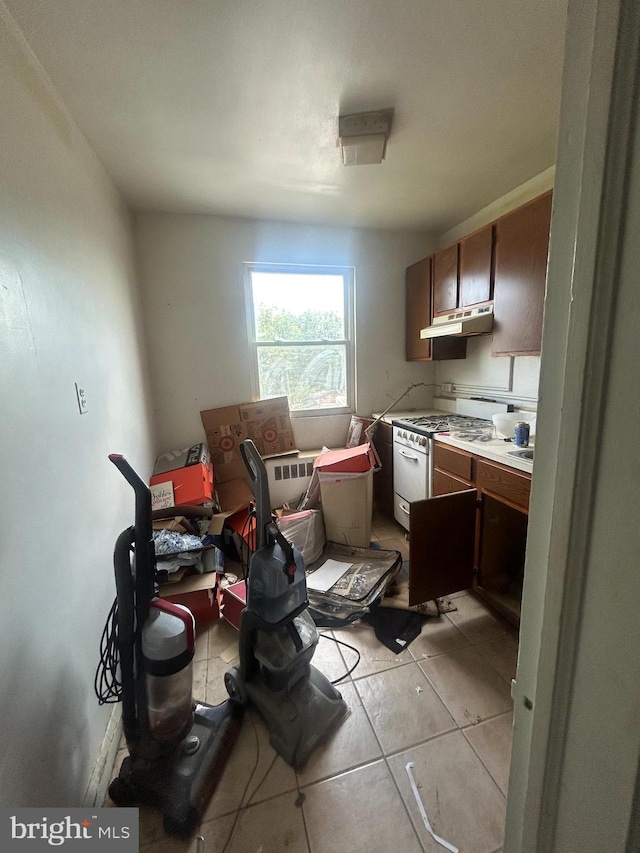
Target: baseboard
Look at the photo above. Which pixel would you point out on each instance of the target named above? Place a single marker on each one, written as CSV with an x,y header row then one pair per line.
x,y
101,776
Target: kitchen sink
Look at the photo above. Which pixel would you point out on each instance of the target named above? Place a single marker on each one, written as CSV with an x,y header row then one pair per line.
x,y
521,454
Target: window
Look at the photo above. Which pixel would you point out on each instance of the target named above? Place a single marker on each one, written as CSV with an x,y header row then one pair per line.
x,y
301,329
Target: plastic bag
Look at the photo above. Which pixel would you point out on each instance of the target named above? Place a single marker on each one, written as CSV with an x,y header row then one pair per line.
x,y
305,530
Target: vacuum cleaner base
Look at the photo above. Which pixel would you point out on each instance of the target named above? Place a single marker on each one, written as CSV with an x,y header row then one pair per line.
x,y
181,785
298,718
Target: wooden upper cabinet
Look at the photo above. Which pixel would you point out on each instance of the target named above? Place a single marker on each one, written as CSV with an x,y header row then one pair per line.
x,y
475,263
522,245
418,306
445,280
418,316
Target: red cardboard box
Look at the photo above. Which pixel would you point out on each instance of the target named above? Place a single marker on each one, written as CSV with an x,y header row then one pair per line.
x,y
191,485
351,460
234,601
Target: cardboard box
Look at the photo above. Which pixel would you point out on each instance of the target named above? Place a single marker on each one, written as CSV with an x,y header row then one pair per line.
x,y
348,461
198,454
177,524
233,602
198,593
191,485
233,495
347,503
266,422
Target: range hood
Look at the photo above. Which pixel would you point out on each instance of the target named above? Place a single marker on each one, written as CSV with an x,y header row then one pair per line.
x,y
469,321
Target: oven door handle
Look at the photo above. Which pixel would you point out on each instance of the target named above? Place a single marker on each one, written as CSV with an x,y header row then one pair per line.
x,y
407,456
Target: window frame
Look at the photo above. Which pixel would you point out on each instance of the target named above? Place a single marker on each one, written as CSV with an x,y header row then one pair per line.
x,y
349,343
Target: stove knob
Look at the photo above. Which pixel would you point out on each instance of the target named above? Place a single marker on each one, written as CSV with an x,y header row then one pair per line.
x,y
423,442
412,437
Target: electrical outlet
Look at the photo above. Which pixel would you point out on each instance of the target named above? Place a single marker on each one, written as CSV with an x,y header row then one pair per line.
x,y
447,387
81,394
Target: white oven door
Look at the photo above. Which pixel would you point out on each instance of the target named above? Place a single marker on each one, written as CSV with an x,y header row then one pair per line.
x,y
410,473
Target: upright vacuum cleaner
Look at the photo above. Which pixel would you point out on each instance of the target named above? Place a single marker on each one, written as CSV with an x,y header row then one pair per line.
x,y
278,638
177,747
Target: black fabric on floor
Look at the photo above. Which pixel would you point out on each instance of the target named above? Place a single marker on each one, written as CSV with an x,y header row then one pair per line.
x,y
392,625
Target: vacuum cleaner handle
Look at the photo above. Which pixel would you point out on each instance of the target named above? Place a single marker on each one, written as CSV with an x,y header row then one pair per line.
x,y
132,477
145,564
260,487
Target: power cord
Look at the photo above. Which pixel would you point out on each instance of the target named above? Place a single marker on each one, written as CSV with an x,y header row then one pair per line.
x,y
107,684
241,807
346,645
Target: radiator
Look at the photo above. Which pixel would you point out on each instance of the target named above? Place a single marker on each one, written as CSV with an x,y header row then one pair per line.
x,y
289,477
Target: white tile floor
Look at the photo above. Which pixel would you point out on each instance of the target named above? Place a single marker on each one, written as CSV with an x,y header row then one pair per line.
x,y
443,704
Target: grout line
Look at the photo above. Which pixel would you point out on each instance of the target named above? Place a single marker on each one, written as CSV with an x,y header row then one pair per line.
x,y
404,804
384,758
483,764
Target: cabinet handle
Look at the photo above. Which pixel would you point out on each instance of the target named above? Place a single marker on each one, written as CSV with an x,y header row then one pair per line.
x,y
406,456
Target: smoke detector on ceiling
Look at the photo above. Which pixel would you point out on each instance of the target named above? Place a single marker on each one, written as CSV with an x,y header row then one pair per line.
x,y
362,137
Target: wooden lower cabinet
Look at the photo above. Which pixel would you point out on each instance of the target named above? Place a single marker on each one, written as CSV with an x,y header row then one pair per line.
x,y
383,479
472,533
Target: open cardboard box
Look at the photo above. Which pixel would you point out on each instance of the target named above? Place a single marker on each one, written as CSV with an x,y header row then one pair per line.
x,y
266,422
197,592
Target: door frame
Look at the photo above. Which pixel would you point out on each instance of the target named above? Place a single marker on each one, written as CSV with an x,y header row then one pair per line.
x,y
597,119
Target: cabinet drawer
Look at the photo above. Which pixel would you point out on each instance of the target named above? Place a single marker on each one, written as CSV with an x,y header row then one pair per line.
x,y
511,485
454,461
447,484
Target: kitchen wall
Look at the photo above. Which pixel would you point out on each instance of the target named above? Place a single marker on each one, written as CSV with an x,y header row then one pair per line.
x,y
513,380
193,291
69,312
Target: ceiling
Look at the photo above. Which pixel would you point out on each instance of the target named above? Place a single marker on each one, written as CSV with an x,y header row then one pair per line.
x,y
231,106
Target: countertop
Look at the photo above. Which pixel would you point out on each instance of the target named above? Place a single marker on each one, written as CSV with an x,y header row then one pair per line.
x,y
496,450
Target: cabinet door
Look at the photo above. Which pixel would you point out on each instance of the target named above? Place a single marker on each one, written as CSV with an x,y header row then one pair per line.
x,y
418,308
441,545
522,245
418,316
476,275
445,280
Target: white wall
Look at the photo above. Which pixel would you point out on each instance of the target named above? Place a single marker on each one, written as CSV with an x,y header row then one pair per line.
x,y
193,291
508,379
68,312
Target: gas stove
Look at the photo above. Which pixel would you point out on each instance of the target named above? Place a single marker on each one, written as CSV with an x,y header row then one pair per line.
x,y
413,454
430,425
